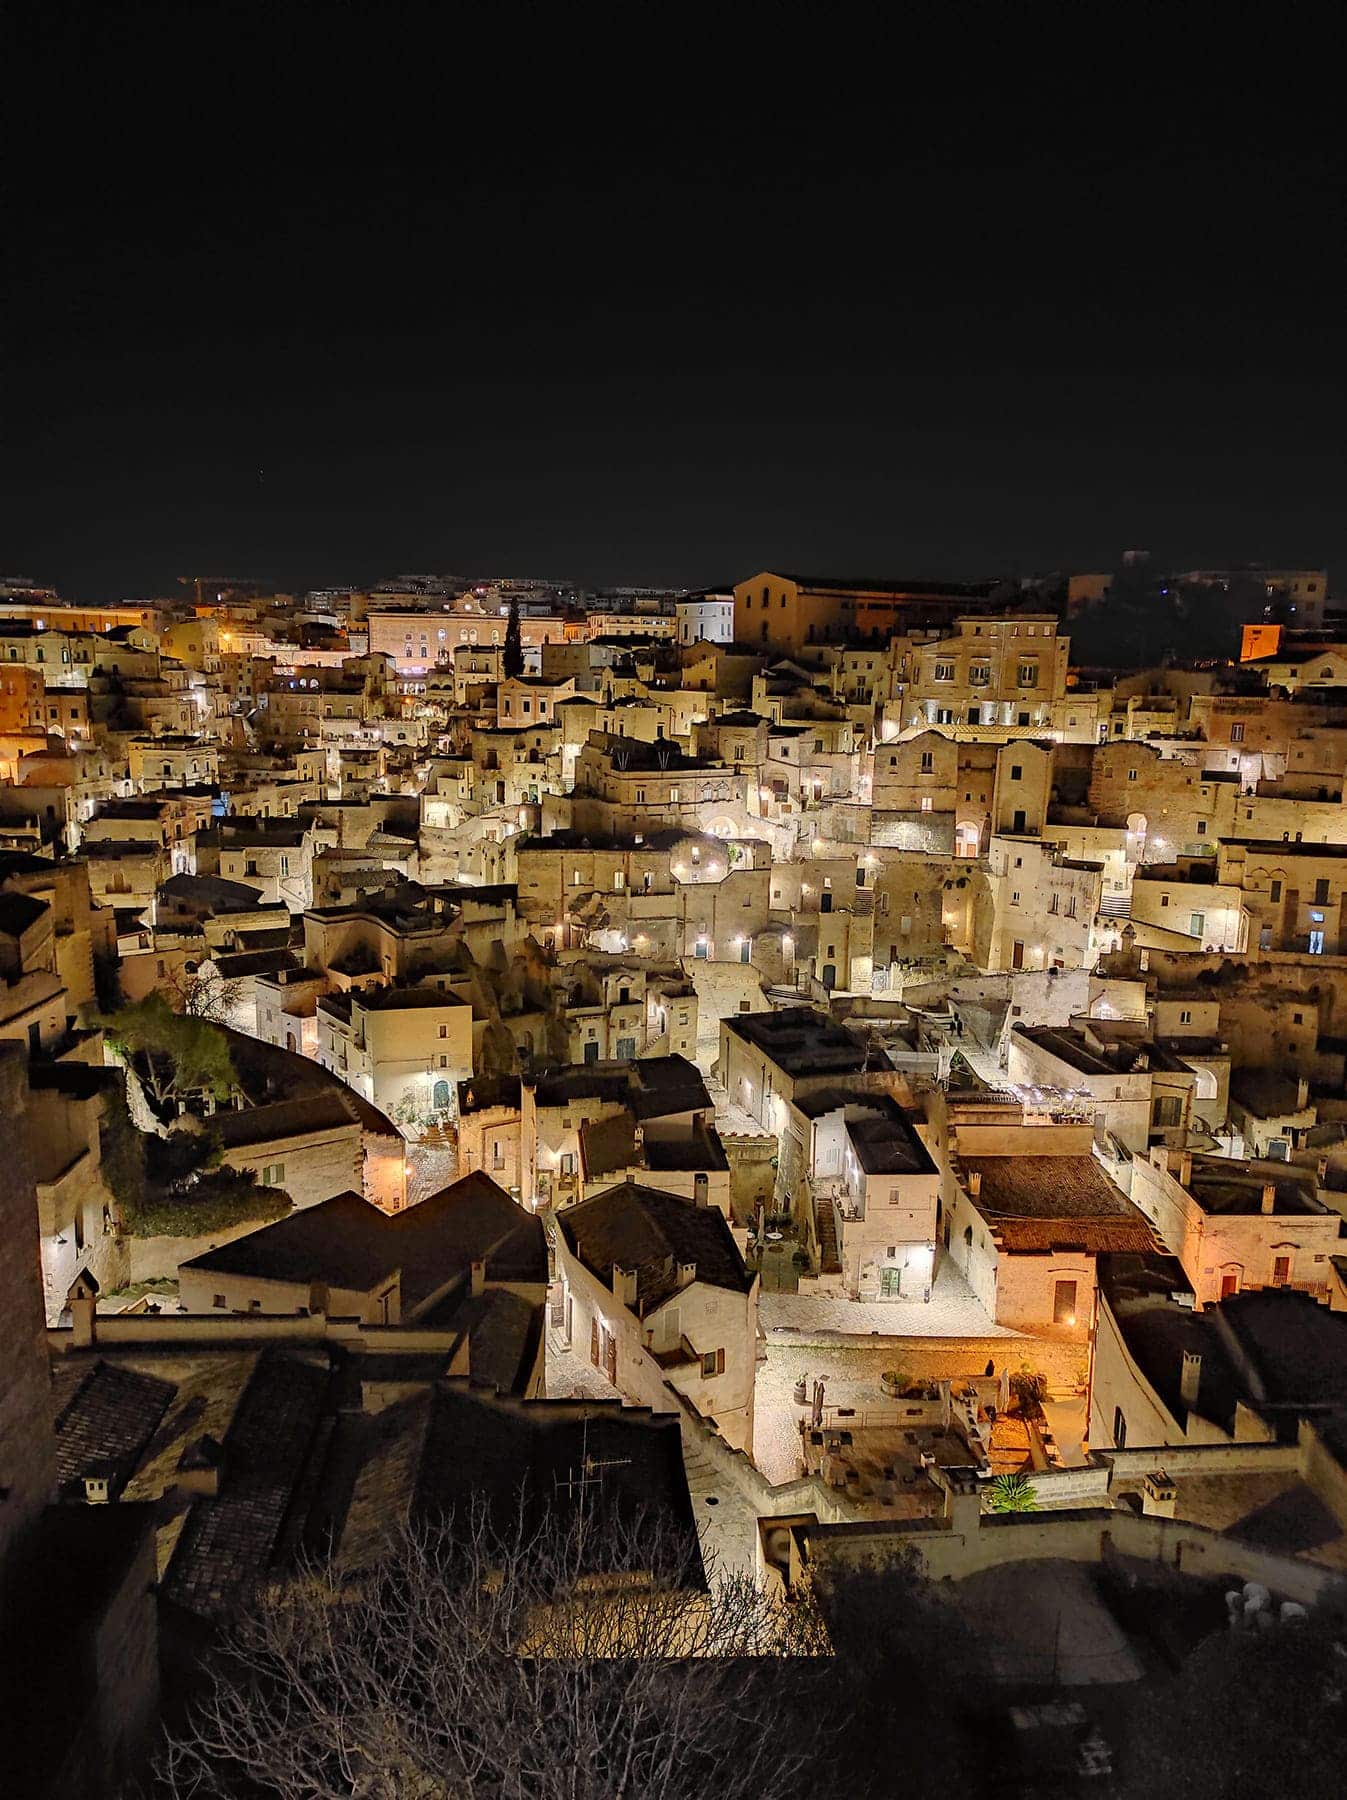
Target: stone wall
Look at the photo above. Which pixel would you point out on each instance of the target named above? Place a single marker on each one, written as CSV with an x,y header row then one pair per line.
x,y
157,1258
27,1449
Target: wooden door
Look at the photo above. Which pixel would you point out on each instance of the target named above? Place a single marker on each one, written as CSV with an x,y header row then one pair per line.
x,y
1229,1285
1281,1271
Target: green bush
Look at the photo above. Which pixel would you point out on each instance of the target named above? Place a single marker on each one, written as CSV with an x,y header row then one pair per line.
x,y
215,1201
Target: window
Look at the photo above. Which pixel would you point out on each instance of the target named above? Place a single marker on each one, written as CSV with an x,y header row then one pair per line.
x,y
1119,1429
927,762
1016,771
1131,774
1276,892
1201,827
1167,1110
1015,898
218,1302
1321,893
1064,1303
1164,899
1197,924
926,803
1053,904
1185,1017
944,671
273,1174
1027,676
1237,732
713,1363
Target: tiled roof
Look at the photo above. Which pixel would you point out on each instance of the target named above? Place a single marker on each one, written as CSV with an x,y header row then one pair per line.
x,y
230,1540
286,1119
1056,1202
641,1228
104,1427
348,1243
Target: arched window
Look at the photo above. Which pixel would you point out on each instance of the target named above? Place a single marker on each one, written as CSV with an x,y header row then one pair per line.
x,y
440,1094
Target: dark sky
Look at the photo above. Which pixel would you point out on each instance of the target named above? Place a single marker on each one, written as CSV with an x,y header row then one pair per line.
x,y
332,293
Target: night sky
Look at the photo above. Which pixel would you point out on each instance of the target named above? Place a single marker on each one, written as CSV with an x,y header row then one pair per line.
x,y
314,295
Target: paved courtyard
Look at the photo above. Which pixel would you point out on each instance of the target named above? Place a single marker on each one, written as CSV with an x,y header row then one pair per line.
x,y
953,1311
851,1373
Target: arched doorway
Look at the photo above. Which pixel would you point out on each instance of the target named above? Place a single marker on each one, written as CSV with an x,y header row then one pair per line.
x,y
967,838
440,1095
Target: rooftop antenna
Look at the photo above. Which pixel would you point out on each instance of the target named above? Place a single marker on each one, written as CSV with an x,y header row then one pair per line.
x,y
591,1469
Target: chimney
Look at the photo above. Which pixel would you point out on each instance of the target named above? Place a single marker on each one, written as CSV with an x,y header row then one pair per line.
x,y
687,1274
1269,1197
701,1189
478,1280
1185,1168
1189,1377
974,1183
82,1301
1158,1494
1302,1093
624,1286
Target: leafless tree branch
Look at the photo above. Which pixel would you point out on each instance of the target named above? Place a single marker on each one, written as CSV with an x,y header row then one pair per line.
x,y
580,1661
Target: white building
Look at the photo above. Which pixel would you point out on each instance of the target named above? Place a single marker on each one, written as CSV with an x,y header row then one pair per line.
x,y
705,618
656,1294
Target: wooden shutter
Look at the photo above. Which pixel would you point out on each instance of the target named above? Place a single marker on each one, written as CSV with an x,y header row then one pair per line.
x,y
594,1341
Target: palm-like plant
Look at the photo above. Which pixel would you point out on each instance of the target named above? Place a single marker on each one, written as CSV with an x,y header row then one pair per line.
x,y
1013,1494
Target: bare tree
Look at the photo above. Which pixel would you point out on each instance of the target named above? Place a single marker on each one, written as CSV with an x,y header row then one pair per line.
x,y
209,997
589,1660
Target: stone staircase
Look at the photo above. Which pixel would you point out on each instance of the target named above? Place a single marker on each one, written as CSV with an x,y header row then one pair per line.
x,y
825,1230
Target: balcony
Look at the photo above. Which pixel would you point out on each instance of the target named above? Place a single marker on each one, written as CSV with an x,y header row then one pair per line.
x,y
682,1356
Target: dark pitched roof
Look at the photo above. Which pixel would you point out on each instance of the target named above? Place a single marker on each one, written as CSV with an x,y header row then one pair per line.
x,y
230,1540
800,1040
286,1119
347,1242
607,1145
504,1332
889,1146
105,1425
645,1229
560,1455
341,1241
19,913
210,892
233,965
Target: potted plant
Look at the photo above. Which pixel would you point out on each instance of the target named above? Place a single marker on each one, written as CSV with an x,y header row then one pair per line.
x,y
895,1382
